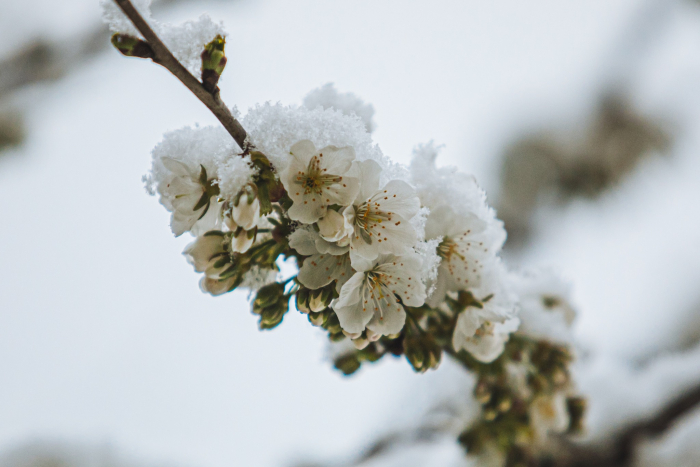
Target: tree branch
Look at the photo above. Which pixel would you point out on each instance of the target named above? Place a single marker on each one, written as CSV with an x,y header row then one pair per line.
x,y
164,57
621,453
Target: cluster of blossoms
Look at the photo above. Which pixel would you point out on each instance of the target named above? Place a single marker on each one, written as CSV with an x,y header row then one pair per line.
x,y
389,260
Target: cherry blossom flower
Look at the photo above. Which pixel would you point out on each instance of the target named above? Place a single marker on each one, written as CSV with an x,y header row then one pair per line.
x,y
316,179
380,216
188,194
468,245
375,295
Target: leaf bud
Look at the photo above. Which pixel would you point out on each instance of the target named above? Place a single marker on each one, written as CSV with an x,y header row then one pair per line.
x,y
132,46
213,63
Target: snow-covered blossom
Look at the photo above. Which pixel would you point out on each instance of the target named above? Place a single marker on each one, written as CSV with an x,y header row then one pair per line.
x,y
370,299
545,306
467,245
179,163
327,96
316,179
380,216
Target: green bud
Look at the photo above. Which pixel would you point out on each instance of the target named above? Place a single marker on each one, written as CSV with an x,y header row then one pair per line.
x,y
422,352
303,300
268,296
317,319
213,63
132,46
348,364
272,316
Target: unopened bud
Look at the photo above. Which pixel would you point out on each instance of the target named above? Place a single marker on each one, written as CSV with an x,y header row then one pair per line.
x,y
272,316
243,239
246,208
372,336
360,343
132,46
320,299
317,319
348,364
303,300
268,296
213,63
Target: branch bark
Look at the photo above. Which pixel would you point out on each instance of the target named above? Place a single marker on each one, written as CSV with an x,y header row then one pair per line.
x,y
165,58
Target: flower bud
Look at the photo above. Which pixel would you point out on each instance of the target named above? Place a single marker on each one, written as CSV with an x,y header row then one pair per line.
x,y
348,364
303,295
246,208
268,296
360,343
272,316
243,239
317,319
320,299
352,335
371,336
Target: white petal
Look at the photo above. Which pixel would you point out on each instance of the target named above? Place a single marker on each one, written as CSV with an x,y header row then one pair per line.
x,y
308,209
303,151
399,198
390,318
349,307
467,324
319,270
368,173
177,167
337,160
303,241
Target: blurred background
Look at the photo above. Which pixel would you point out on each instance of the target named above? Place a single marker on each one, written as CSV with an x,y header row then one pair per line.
x,y
580,119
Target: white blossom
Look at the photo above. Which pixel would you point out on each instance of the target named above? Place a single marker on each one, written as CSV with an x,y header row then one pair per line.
x,y
186,195
370,298
322,269
381,216
316,179
468,244
483,330
205,251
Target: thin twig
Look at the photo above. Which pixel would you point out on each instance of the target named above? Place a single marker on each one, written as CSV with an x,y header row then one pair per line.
x,y
164,57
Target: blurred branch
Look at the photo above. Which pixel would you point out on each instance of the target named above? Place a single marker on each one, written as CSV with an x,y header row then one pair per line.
x,y
165,58
621,451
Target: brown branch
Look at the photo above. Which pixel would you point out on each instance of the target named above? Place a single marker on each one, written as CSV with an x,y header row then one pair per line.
x,y
621,453
164,57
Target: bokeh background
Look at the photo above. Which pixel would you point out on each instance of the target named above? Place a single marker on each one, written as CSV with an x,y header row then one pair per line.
x,y
581,119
